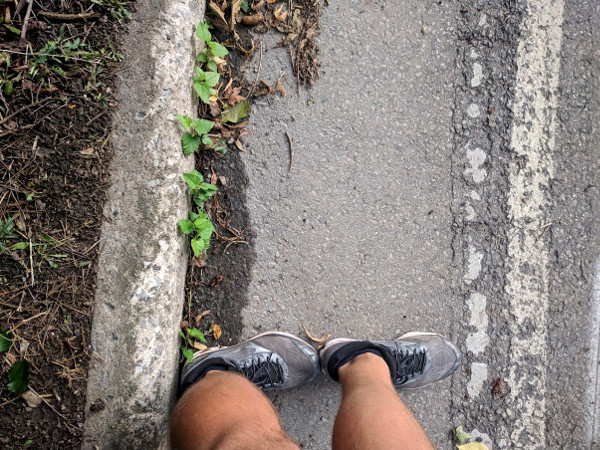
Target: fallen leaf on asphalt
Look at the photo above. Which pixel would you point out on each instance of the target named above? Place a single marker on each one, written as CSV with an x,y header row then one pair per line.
x,y
320,340
280,14
460,435
472,446
236,112
216,329
200,316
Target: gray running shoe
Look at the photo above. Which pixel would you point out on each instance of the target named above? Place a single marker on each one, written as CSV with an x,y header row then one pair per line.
x,y
271,361
415,359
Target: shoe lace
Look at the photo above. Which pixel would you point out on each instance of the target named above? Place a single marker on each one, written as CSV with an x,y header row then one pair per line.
x,y
409,363
263,370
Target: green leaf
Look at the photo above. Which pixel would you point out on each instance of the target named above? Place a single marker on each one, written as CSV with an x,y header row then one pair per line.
x,y
13,29
202,32
212,66
6,339
212,78
203,192
203,90
30,196
236,112
245,5
193,179
84,264
187,226
190,143
197,246
196,334
8,88
20,245
201,221
217,49
203,126
185,121
53,264
182,335
187,353
28,442
18,376
203,56
206,140
221,146
460,435
193,216
206,233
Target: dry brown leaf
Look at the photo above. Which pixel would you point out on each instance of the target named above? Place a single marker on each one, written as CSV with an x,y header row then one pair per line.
x,y
280,14
274,1
235,10
217,332
258,5
254,19
232,95
11,358
320,340
87,151
223,180
214,109
287,40
262,89
199,317
239,125
199,346
221,22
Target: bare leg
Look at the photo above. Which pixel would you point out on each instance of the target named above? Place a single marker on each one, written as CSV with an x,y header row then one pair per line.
x,y
224,410
372,415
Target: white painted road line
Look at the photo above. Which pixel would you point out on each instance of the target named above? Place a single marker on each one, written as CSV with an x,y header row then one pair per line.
x,y
532,140
592,397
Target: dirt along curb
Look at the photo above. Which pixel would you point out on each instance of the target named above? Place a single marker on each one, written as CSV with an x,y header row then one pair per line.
x,y
140,289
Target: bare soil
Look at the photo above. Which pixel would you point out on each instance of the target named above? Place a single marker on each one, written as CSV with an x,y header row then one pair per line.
x,y
55,124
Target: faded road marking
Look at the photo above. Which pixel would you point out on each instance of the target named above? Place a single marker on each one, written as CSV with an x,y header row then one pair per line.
x,y
532,140
479,373
592,395
478,341
474,265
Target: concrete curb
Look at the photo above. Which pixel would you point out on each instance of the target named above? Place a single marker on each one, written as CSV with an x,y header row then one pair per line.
x,y
139,295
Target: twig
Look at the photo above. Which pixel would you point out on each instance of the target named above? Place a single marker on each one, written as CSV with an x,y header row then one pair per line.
x,y
581,266
53,409
259,69
23,322
93,119
31,262
59,16
291,141
320,340
18,111
26,20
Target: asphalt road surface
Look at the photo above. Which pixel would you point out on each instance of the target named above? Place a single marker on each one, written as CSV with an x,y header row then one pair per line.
x,y
446,178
